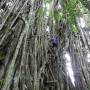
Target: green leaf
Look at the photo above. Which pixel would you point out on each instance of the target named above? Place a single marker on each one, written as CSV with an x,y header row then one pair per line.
x,y
58,15
74,29
48,1
2,81
41,11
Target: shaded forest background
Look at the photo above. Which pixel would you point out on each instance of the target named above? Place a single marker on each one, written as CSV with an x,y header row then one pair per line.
x,y
44,45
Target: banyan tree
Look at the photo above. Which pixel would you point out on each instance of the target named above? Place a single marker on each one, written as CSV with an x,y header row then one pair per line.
x,y
44,45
